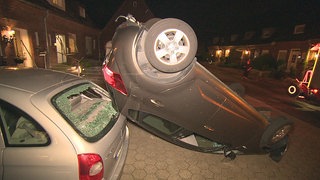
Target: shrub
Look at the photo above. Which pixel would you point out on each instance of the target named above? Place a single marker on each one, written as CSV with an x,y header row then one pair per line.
x,y
264,62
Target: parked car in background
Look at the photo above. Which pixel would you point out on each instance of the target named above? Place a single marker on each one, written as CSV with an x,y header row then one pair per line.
x,y
158,85
58,126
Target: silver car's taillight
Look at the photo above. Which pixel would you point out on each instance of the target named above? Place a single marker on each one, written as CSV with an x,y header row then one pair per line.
x,y
90,166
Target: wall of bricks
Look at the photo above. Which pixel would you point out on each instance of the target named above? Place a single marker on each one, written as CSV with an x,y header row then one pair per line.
x,y
47,22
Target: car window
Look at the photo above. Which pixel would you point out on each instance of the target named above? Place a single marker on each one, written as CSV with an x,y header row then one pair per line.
x,y
88,109
170,129
200,141
20,129
162,125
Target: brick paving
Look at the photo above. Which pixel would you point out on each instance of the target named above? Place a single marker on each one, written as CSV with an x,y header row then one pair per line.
x,y
150,157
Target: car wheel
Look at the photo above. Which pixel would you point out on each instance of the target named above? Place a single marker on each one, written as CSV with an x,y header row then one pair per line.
x,y
293,90
277,130
170,45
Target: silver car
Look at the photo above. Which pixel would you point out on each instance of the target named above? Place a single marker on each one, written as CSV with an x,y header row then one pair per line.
x,y
58,126
158,84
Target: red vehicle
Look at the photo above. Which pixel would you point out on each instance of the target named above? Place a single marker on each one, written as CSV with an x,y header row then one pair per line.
x,y
309,87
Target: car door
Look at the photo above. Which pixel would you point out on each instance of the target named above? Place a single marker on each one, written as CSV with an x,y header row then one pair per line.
x,y
174,133
34,151
2,147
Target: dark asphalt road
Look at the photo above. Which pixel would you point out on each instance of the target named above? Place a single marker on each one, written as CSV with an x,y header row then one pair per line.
x,y
270,91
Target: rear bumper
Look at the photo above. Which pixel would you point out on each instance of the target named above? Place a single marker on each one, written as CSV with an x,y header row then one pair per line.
x,y
121,158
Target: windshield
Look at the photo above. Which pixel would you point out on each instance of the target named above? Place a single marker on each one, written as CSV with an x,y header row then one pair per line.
x,y
88,109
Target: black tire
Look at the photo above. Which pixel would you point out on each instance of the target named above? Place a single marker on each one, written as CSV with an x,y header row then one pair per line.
x,y
275,125
164,52
293,90
238,88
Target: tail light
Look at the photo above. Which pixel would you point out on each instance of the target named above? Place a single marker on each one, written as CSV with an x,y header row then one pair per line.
x,y
114,80
90,167
314,91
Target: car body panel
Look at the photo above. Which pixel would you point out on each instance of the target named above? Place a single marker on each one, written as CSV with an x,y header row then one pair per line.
x,y
58,160
2,148
38,162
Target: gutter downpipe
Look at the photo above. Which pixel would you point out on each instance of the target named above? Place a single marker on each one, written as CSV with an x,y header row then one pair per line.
x,y
46,57
99,46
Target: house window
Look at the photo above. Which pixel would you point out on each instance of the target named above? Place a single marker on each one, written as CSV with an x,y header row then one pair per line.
x,y
256,53
58,3
249,35
234,37
215,40
82,12
265,51
227,53
94,44
72,43
282,55
299,29
134,4
267,33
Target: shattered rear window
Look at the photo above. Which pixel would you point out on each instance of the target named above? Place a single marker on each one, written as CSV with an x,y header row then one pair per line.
x,y
88,109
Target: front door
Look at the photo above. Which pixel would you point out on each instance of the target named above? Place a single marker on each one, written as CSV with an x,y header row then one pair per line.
x,y
294,59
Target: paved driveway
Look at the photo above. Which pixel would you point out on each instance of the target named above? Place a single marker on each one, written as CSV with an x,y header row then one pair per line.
x,y
152,158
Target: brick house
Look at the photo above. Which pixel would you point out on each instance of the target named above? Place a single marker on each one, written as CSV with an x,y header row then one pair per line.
x,y
291,45
137,8
46,32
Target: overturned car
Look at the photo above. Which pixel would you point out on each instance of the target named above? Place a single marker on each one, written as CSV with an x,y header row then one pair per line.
x,y
159,85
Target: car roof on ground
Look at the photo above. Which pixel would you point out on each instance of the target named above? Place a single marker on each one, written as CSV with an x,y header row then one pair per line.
x,y
33,80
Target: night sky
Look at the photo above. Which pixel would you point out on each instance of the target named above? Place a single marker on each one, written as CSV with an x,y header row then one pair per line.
x,y
219,16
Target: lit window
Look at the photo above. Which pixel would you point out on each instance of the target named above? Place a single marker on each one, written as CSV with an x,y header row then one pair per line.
x,y
73,43
227,53
58,3
82,12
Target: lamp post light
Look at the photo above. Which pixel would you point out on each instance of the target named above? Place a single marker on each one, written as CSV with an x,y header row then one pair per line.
x,y
7,34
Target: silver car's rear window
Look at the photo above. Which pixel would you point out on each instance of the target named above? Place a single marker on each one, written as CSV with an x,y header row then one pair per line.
x,y
88,109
